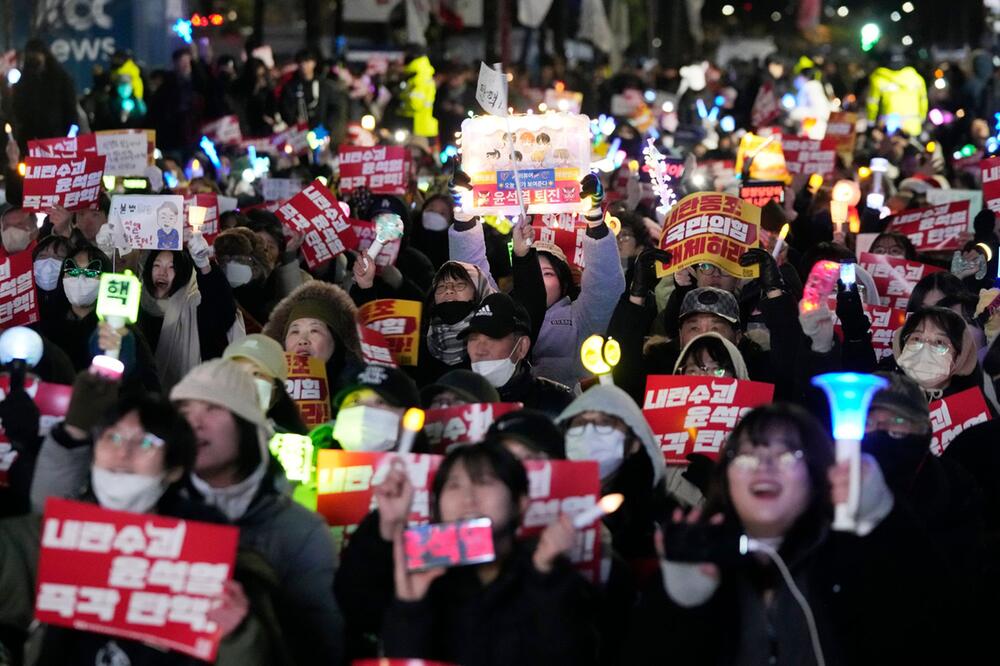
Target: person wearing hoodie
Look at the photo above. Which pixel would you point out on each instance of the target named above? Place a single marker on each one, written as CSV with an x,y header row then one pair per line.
x,y
417,97
711,355
898,97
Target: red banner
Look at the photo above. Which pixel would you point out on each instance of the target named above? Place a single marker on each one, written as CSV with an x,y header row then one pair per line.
x,y
759,192
989,170
375,349
569,241
894,277
365,232
73,183
463,424
314,213
63,146
307,385
210,227
935,227
382,169
137,576
223,132
696,414
808,156
18,302
399,323
952,415
842,128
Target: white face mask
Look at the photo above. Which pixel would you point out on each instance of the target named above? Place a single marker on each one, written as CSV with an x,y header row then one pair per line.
x,y
120,491
924,366
15,240
47,273
497,372
81,291
238,274
265,389
434,221
608,449
362,428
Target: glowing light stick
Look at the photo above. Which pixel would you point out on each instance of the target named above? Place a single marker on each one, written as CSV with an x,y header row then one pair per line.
x,y
20,348
846,193
821,279
878,165
849,394
118,299
196,217
606,505
295,453
10,131
600,356
780,243
413,422
658,176
388,227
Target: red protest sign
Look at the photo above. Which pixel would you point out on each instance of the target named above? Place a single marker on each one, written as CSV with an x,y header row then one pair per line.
x,y
365,232
884,320
570,241
224,131
307,385
210,202
759,192
71,182
842,128
399,322
382,169
989,170
710,227
765,108
933,228
63,146
557,487
807,156
696,414
375,348
894,277
344,487
953,414
314,213
138,576
18,301
463,424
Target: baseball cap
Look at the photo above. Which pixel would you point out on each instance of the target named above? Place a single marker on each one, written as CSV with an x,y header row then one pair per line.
x,y
711,300
532,428
902,397
263,351
498,316
469,386
391,384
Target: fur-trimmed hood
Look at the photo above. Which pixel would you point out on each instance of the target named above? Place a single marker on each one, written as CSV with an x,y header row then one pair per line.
x,y
343,313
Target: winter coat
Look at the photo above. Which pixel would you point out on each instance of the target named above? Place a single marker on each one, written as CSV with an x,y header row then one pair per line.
x,y
901,93
535,392
417,99
321,101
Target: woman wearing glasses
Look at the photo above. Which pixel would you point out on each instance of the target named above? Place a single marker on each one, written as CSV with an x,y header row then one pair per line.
x,y
711,355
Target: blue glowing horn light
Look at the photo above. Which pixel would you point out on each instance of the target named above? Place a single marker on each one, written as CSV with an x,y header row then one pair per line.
x,y
849,394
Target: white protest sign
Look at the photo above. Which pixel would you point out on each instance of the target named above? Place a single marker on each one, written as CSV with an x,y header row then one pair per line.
x,y
127,154
280,189
937,196
491,91
148,221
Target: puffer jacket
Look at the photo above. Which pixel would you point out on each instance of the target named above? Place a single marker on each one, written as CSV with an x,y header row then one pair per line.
x,y
901,93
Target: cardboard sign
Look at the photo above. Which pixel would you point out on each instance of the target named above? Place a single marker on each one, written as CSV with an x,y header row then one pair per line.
x,y
569,241
935,228
399,322
807,156
314,213
759,192
365,232
215,205
137,576
954,414
894,277
307,385
382,169
491,90
768,158
71,182
224,131
463,424
990,173
344,488
551,154
696,414
149,221
709,227
765,108
842,127
375,349
127,152
884,322
18,301
280,189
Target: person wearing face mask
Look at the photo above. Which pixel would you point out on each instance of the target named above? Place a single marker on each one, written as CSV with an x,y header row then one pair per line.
x,y
430,236
264,359
936,350
411,274
47,258
498,340
17,229
370,411
244,261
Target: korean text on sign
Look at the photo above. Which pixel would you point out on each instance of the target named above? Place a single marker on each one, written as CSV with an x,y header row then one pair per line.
x,y
570,242
382,169
399,322
307,386
18,303
696,414
935,227
314,213
710,227
894,277
450,426
808,157
954,414
71,182
989,170
137,576
374,347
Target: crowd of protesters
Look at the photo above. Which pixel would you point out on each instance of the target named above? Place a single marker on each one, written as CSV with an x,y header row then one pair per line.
x,y
184,432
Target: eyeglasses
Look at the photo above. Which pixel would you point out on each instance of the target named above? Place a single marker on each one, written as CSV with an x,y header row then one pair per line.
x,y
751,462
144,442
708,269
704,371
93,269
936,346
896,427
454,287
599,428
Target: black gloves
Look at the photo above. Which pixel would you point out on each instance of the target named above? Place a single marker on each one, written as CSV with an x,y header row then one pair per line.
x,y
19,417
853,321
92,397
770,276
591,186
699,471
644,273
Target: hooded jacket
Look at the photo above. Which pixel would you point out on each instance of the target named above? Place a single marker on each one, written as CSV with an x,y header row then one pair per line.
x,y
735,357
898,92
418,98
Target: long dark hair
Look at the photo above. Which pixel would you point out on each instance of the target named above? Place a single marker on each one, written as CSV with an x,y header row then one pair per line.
x,y
480,461
947,283
158,417
947,320
182,269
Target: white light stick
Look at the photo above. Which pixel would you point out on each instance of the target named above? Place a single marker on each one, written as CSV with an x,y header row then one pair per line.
x,y
196,217
388,227
780,243
658,177
413,422
875,199
9,130
607,504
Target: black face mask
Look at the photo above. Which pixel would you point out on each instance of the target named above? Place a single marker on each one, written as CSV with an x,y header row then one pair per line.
x,y
452,312
899,458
